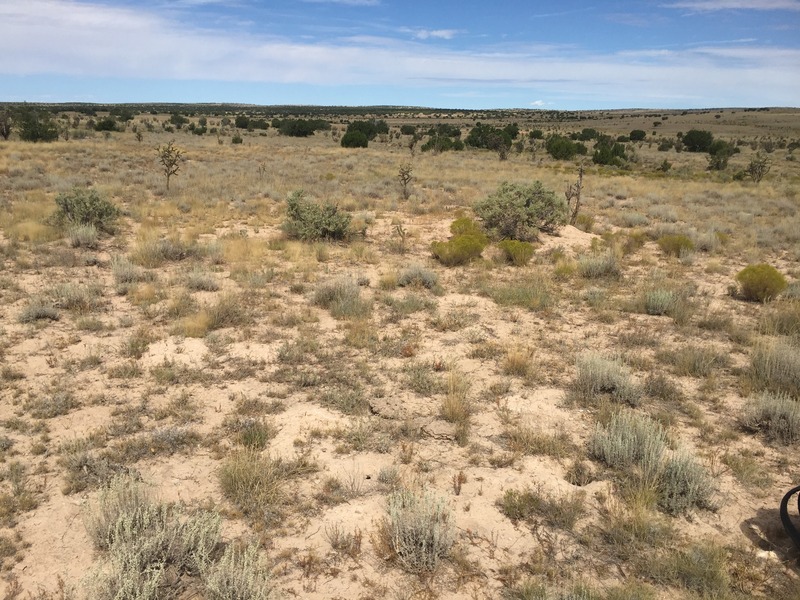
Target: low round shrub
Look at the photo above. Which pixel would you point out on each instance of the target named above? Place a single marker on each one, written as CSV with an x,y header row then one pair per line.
x,y
308,221
354,139
519,212
675,244
760,283
459,250
515,252
85,207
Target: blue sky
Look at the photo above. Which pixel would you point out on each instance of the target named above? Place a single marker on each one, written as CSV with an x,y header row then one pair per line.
x,y
563,55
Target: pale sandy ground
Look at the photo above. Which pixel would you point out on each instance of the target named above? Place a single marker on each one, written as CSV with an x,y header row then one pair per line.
x,y
56,543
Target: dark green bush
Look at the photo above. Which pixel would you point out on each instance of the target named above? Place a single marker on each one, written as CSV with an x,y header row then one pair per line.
x,y
673,245
306,220
37,126
369,128
760,283
637,135
516,252
696,140
85,207
355,139
519,212
563,148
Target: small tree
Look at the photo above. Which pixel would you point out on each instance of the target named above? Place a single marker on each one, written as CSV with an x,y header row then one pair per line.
x,y
405,177
759,166
170,158
718,155
37,127
696,140
5,124
637,135
573,197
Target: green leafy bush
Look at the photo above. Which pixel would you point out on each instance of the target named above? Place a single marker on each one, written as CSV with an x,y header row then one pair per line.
x,y
760,283
85,207
519,212
342,297
675,244
308,221
515,252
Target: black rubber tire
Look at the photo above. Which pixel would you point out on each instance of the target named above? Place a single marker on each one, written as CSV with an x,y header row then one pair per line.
x,y
791,530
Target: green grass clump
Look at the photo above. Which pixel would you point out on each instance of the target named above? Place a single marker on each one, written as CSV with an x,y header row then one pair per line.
x,y
153,253
775,366
419,529
342,297
515,252
675,244
561,512
417,275
760,283
599,264
659,301
702,568
38,309
254,483
533,293
775,415
782,318
82,236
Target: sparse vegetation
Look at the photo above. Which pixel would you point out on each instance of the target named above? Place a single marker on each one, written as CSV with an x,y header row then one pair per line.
x,y
272,368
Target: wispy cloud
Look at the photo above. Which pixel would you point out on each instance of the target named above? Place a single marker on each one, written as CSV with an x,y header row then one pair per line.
x,y
82,39
427,34
716,5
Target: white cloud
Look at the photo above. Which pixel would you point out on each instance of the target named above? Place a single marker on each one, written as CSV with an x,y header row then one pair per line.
x,y
538,103
441,34
715,5
81,39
